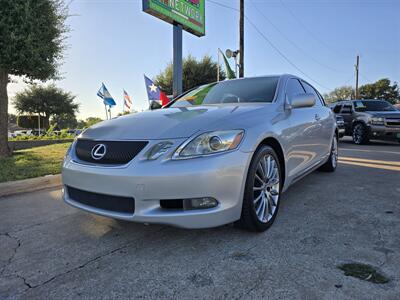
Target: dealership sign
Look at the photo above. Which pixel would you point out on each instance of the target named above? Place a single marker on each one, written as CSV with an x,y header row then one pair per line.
x,y
188,13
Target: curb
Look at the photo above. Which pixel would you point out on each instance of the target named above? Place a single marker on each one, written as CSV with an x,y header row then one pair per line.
x,y
29,185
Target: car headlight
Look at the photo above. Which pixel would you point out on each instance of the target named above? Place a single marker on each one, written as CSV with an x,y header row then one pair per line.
x,y
158,149
377,121
67,155
209,143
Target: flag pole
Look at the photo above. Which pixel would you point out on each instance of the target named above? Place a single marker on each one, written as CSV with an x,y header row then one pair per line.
x,y
218,66
109,111
105,107
123,102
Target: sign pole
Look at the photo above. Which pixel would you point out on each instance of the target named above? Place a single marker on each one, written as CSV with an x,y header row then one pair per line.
x,y
177,60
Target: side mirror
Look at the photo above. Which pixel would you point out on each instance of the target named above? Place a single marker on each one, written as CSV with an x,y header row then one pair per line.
x,y
155,105
302,100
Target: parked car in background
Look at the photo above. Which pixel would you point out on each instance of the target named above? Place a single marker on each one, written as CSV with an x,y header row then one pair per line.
x,y
369,119
11,135
38,132
23,132
340,126
220,153
75,132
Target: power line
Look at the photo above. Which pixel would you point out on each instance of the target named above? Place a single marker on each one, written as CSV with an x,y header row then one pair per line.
x,y
291,42
272,45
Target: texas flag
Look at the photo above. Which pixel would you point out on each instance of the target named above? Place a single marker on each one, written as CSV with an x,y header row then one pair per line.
x,y
154,93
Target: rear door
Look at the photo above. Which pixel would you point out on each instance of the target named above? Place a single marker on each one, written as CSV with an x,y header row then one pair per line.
x,y
324,124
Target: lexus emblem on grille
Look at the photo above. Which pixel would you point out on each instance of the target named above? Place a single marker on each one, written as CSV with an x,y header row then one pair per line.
x,y
98,151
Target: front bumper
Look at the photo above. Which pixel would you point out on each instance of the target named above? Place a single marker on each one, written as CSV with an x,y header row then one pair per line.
x,y
219,176
384,132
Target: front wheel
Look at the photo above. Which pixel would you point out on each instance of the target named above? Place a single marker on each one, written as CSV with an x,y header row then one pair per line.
x,y
262,191
360,134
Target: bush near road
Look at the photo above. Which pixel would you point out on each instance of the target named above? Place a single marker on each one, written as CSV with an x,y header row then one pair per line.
x,y
33,162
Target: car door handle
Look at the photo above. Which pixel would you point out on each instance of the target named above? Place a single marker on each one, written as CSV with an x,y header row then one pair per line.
x,y
317,117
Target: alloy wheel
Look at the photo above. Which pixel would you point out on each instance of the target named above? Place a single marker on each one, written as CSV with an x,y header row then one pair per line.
x,y
357,134
334,155
266,188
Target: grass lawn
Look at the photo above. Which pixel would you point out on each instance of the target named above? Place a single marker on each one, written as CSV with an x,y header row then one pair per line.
x,y
34,162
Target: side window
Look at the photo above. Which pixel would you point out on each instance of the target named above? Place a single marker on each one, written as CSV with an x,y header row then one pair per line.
x,y
347,109
310,90
293,88
337,108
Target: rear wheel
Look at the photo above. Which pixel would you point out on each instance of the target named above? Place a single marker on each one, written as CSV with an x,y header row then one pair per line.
x,y
262,191
360,134
331,164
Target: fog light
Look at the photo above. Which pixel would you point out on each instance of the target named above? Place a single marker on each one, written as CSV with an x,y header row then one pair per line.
x,y
199,203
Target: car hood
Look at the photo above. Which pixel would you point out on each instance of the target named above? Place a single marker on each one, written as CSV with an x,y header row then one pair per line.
x,y
169,123
385,114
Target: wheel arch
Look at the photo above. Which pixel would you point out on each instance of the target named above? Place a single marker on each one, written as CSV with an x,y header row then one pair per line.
x,y
357,121
274,144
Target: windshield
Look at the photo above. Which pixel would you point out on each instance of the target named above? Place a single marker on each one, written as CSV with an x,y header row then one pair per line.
x,y
378,105
250,90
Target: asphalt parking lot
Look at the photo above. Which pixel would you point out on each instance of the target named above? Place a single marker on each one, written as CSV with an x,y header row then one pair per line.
x,y
49,250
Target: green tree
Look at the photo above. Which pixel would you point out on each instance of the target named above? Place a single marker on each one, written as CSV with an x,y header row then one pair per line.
x,y
46,101
340,93
31,45
65,121
381,89
91,121
195,72
127,112
31,122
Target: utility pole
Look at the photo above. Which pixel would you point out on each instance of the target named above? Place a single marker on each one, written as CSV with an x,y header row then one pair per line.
x,y
241,39
357,69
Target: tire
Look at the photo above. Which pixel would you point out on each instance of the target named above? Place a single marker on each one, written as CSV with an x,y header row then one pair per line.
x,y
331,164
261,190
360,134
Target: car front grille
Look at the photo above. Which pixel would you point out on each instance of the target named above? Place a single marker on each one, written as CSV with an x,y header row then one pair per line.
x,y
101,201
116,152
393,122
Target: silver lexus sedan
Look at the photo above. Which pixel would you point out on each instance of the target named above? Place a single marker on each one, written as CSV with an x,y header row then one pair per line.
x,y
220,153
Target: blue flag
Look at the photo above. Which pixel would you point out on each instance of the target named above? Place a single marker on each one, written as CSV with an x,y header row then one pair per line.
x,y
104,94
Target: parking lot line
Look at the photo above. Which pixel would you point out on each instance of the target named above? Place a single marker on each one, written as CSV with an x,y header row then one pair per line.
x,y
371,151
376,166
374,161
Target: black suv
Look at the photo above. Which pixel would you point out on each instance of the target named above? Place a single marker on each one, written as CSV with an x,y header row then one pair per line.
x,y
369,119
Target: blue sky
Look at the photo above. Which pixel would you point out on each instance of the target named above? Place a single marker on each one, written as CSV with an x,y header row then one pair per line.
x,y
114,42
